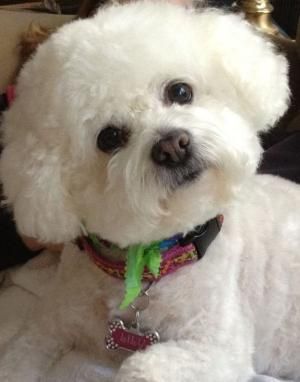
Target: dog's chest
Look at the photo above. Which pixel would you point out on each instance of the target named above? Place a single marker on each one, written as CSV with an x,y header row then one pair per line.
x,y
167,310
179,303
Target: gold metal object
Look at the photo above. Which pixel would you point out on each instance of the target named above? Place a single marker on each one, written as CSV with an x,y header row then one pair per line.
x,y
255,6
258,12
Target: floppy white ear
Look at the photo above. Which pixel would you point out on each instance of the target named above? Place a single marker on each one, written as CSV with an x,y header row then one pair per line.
x,y
254,67
32,165
39,129
35,164
34,186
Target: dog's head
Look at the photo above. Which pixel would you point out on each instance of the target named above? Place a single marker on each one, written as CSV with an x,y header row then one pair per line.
x,y
139,123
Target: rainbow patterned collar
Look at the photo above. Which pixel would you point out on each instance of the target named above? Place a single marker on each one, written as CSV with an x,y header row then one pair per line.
x,y
175,252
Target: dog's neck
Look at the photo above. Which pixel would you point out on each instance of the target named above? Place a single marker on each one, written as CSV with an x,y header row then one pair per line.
x,y
200,237
107,249
150,262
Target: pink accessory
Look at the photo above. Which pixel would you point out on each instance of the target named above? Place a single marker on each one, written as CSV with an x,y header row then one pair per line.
x,y
10,94
120,337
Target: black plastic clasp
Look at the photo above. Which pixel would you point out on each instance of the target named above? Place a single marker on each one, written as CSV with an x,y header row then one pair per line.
x,y
197,232
203,235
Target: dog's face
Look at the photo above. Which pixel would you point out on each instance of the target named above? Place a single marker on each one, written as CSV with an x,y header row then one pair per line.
x,y
139,123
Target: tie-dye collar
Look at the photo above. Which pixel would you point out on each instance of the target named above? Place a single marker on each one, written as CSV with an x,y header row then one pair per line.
x,y
152,262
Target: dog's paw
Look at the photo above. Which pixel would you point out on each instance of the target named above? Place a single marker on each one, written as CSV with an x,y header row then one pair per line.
x,y
151,365
134,369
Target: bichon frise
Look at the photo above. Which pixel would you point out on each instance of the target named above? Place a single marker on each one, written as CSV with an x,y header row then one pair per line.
x,y
139,128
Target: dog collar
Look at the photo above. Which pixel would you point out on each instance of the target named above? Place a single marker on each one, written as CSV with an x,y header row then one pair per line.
x,y
173,253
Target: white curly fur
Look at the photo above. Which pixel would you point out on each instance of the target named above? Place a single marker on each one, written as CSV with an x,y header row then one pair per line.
x,y
230,316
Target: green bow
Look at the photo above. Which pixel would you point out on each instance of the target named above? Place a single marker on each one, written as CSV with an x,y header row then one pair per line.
x,y
139,257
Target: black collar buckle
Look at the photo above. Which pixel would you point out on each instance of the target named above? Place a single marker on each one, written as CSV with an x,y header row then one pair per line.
x,y
203,235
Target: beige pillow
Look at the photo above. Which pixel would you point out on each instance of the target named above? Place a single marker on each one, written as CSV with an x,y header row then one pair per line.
x,y
12,25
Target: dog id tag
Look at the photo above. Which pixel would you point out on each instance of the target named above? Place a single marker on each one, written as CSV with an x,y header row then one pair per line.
x,y
131,339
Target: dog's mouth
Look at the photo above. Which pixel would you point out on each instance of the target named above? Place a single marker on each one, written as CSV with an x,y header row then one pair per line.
x,y
172,178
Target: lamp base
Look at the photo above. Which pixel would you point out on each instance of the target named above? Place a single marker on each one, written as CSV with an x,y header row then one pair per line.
x,y
258,12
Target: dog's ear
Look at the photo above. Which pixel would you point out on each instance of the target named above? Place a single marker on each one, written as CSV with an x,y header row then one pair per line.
x,y
256,70
35,162
33,184
34,166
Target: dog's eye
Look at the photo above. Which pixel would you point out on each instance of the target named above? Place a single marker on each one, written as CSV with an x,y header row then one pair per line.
x,y
112,138
179,92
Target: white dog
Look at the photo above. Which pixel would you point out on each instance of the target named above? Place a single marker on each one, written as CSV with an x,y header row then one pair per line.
x,y
139,124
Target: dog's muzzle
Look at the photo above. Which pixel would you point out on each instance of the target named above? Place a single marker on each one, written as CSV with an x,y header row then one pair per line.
x,y
175,157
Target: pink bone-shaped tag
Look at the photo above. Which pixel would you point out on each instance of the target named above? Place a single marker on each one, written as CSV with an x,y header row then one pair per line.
x,y
120,337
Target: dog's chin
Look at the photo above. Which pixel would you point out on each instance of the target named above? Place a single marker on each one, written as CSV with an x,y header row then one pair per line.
x,y
173,178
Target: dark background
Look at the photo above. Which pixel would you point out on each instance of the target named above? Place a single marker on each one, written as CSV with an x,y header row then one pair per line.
x,y
286,12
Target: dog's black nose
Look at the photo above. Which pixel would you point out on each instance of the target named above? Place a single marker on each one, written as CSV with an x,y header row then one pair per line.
x,y
173,149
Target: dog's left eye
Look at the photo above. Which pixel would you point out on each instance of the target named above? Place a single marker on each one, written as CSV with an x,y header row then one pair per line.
x,y
179,92
112,138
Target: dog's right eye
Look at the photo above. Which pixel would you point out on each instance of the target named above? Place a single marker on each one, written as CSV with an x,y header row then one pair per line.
x,y
112,138
178,92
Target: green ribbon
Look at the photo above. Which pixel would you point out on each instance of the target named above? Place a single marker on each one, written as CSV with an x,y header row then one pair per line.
x,y
139,257
94,239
